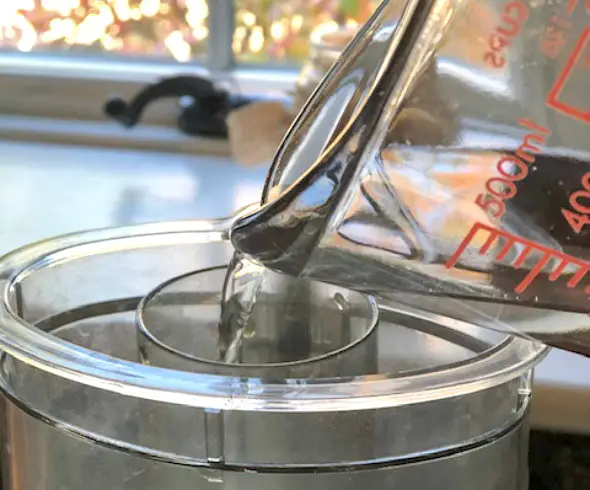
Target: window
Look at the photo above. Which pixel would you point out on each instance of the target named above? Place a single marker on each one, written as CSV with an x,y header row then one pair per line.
x,y
80,27
265,30
61,59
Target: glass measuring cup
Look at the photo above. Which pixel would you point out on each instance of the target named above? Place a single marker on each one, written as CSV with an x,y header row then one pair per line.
x,y
445,161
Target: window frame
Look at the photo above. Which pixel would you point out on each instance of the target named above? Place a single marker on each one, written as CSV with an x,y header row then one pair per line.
x,y
56,98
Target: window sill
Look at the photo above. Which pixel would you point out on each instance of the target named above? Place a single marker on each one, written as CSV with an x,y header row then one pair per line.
x,y
59,99
107,135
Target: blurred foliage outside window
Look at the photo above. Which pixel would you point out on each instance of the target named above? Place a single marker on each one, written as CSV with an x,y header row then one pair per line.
x,y
175,28
266,31
279,30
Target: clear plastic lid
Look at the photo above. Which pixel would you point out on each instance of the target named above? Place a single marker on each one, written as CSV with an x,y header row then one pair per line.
x,y
53,287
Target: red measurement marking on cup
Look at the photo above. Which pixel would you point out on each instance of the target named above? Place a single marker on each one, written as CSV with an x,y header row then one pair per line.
x,y
513,17
571,6
494,234
512,168
579,59
580,203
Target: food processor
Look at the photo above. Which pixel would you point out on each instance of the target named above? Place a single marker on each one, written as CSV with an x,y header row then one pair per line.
x,y
110,378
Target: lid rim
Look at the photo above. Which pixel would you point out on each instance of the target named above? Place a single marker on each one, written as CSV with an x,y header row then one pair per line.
x,y
58,357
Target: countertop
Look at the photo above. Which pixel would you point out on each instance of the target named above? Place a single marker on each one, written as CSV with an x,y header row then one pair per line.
x,y
48,190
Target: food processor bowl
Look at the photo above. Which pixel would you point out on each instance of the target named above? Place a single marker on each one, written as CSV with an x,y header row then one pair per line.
x,y
110,378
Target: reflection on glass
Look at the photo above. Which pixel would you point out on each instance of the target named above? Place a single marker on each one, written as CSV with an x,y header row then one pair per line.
x,y
163,28
279,31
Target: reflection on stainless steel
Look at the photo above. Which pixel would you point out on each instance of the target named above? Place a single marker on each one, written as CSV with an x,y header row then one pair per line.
x,y
381,178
